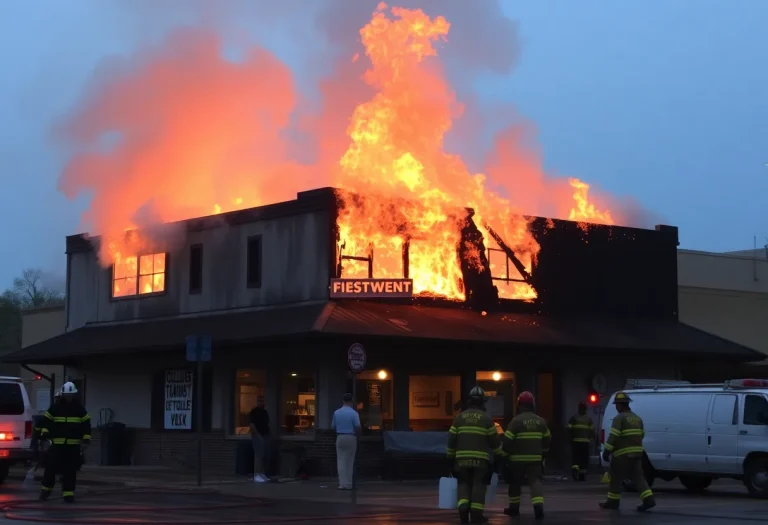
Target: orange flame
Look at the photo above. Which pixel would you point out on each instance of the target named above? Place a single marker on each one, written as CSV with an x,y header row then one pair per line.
x,y
408,189
584,211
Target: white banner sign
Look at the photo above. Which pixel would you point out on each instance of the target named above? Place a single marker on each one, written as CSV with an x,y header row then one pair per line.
x,y
178,399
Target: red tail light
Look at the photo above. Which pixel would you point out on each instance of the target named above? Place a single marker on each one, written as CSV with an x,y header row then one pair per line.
x,y
6,436
602,436
27,429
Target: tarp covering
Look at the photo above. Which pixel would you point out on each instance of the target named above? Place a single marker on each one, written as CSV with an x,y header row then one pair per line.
x,y
403,442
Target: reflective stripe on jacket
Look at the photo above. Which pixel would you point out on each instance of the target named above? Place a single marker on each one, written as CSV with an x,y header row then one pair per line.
x,y
527,438
626,437
472,436
66,424
581,429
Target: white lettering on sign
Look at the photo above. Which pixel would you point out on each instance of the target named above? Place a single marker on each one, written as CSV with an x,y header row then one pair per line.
x,y
178,399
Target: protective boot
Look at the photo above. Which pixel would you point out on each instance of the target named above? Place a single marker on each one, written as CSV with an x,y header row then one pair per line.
x,y
477,516
512,510
69,499
582,476
44,495
575,473
538,511
647,504
611,504
463,515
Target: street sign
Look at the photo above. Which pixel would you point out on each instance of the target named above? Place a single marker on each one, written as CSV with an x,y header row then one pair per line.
x,y
198,348
356,358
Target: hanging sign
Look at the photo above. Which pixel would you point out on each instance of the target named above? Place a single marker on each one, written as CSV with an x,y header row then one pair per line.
x,y
178,399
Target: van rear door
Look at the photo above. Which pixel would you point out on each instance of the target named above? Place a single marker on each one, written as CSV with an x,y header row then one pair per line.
x,y
13,417
723,434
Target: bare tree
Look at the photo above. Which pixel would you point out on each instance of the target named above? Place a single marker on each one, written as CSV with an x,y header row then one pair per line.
x,y
32,292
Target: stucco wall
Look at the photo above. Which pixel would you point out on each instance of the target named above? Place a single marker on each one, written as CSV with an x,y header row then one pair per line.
x,y
726,295
36,326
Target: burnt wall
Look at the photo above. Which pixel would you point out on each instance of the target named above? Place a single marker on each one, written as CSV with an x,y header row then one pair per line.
x,y
586,269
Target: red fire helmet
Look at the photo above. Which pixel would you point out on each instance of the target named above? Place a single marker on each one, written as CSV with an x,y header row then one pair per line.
x,y
525,398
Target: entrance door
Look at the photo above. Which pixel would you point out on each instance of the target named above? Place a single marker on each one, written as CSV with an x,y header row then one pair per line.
x,y
722,434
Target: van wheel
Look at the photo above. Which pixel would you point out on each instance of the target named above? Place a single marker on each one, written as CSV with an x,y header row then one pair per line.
x,y
696,483
756,477
5,467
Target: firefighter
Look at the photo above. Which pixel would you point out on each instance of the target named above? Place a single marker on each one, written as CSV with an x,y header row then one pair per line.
x,y
66,428
526,443
470,439
581,432
624,450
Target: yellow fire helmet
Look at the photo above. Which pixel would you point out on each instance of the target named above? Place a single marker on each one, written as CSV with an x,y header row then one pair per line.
x,y
621,398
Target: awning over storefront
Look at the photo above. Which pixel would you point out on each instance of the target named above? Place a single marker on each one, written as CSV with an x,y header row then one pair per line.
x,y
388,320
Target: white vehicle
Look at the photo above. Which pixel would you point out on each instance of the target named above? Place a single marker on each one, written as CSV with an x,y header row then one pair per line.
x,y
699,433
15,424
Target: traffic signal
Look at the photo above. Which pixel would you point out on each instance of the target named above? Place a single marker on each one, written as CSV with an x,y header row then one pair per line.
x,y
38,377
593,398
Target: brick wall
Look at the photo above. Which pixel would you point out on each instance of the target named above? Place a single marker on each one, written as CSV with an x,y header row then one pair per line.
x,y
179,451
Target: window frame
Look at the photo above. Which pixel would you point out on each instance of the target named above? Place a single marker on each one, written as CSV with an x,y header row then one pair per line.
x,y
254,283
138,272
744,414
196,290
734,412
306,436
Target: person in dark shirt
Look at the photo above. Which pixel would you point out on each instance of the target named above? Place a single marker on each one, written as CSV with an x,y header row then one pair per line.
x,y
258,419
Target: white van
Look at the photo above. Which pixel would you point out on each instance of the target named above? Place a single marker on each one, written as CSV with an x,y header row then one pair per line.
x,y
699,433
15,424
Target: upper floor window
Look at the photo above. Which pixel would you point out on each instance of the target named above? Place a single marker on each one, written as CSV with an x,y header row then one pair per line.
x,y
253,262
139,275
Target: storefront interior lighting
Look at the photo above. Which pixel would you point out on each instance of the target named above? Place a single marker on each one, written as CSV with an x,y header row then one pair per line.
x,y
497,376
382,374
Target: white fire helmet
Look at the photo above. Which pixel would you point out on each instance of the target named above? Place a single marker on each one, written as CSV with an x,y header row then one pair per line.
x,y
68,389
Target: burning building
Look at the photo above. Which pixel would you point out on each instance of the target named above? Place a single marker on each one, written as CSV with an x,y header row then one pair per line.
x,y
601,306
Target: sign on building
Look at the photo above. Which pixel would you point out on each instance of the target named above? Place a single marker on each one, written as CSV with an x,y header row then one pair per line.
x,y
178,399
371,288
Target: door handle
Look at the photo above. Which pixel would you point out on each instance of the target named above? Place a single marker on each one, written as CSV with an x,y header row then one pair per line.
x,y
743,432
709,440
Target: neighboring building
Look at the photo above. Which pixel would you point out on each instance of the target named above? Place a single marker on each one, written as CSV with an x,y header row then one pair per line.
x,y
257,282
726,294
37,325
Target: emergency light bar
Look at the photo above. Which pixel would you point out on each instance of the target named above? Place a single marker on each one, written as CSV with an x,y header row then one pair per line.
x,y
747,383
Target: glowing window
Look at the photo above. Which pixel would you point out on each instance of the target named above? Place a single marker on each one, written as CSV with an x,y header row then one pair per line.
x,y
139,275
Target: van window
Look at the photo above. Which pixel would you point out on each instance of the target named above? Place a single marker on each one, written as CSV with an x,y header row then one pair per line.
x,y
754,406
11,400
724,410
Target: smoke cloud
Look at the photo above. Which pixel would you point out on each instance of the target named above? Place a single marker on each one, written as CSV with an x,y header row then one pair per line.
x,y
182,129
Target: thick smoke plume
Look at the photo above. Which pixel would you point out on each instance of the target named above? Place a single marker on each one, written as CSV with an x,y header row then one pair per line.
x,y
180,130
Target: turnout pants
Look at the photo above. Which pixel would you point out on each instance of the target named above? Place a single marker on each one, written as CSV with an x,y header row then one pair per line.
x,y
64,460
517,474
624,467
579,458
472,484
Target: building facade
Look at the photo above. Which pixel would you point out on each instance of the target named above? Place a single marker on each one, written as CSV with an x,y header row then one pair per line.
x,y
257,283
38,325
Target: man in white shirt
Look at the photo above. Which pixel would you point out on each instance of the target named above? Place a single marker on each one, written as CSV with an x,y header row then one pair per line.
x,y
346,423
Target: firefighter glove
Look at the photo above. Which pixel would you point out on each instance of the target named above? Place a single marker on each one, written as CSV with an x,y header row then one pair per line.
x,y
606,455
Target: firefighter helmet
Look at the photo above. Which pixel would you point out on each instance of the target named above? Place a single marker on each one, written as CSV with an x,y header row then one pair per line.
x,y
621,398
68,389
582,406
477,393
525,398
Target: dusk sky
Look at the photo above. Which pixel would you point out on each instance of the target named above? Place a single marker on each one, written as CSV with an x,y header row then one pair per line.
x,y
665,102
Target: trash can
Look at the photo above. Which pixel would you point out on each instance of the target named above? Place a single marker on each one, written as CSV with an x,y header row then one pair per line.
x,y
115,444
244,459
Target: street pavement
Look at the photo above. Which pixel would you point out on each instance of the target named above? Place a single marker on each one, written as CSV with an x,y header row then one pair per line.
x,y
378,502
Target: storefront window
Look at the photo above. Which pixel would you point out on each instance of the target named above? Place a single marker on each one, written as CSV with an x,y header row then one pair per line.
x,y
500,391
297,402
249,385
434,402
374,400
